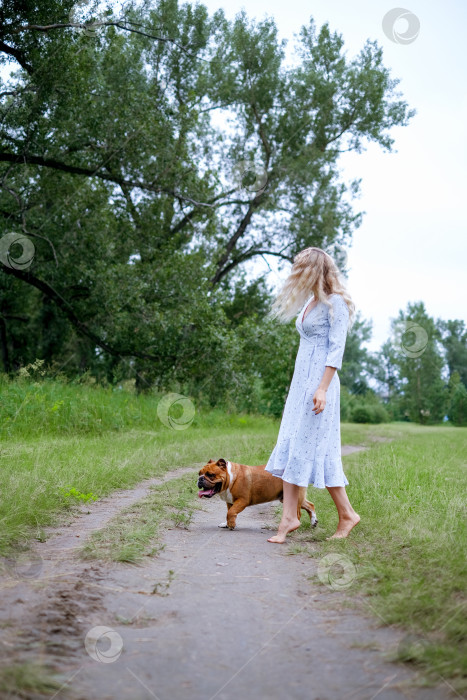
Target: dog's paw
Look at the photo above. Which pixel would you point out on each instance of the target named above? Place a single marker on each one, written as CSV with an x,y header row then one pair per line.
x,y
314,520
222,524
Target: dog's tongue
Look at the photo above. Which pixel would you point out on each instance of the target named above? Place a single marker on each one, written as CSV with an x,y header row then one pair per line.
x,y
207,492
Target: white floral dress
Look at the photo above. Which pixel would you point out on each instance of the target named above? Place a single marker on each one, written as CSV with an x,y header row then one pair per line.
x,y
308,448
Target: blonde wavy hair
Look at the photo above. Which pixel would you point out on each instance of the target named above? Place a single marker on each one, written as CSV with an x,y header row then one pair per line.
x,y
313,272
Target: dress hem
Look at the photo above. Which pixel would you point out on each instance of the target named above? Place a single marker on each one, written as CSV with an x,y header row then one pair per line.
x,y
321,472
310,483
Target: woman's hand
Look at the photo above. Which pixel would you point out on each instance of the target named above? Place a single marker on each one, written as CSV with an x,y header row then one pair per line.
x,y
319,401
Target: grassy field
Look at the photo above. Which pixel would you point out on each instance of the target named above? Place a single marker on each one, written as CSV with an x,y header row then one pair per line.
x,y
62,444
409,550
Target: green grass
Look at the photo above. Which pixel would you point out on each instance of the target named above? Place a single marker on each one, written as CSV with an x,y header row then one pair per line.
x,y
27,681
30,409
409,549
367,435
44,456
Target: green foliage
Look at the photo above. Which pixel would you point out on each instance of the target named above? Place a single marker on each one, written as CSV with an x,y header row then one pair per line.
x,y
361,414
72,494
416,354
369,414
116,164
358,363
454,341
51,407
363,408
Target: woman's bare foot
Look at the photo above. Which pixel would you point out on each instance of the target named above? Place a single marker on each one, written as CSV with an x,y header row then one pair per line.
x,y
285,527
346,524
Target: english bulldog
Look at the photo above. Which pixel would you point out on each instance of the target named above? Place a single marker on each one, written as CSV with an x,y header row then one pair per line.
x,y
240,486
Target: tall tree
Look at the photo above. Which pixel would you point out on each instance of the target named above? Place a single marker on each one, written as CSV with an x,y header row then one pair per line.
x,y
454,341
387,374
116,162
358,363
417,355
457,406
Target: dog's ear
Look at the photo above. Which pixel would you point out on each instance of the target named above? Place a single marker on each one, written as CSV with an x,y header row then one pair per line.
x,y
222,463
211,460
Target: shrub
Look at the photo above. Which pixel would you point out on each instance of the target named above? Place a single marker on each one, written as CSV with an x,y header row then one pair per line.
x,y
361,414
379,414
367,413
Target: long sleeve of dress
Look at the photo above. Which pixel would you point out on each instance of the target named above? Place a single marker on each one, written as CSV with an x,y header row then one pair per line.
x,y
337,332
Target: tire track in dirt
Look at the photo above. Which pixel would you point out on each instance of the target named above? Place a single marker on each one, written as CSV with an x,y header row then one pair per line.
x,y
48,592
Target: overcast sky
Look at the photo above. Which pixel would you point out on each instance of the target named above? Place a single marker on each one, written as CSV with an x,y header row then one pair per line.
x,y
412,245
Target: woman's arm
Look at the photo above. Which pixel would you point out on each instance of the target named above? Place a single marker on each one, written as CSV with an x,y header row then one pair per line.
x,y
337,338
319,398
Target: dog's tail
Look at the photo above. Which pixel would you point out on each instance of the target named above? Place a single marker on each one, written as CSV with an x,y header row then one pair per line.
x,y
304,504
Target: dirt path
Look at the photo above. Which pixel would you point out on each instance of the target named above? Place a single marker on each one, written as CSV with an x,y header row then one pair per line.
x,y
217,615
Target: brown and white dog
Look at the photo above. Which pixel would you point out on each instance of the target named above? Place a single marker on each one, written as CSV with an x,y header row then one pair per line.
x,y
240,486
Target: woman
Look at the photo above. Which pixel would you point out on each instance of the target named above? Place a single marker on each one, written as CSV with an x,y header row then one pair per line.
x,y
308,448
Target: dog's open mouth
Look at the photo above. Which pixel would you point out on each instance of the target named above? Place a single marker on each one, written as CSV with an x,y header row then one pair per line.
x,y
210,492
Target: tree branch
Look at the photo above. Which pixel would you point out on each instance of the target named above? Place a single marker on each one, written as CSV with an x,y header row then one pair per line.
x,y
17,55
246,256
254,204
91,25
77,170
262,135
65,306
187,218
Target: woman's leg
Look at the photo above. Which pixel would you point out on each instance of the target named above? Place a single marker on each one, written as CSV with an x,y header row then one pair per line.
x,y
289,519
348,518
